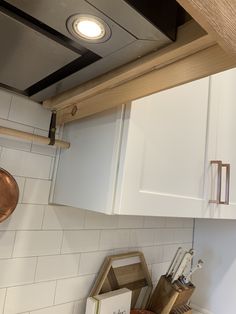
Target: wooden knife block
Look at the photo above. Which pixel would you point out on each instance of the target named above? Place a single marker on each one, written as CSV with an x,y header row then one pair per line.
x,y
170,298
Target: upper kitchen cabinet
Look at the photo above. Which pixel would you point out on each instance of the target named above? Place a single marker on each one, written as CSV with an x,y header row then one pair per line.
x,y
144,158
221,165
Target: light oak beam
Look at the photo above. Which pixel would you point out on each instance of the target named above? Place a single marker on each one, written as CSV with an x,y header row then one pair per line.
x,y
217,17
191,38
203,63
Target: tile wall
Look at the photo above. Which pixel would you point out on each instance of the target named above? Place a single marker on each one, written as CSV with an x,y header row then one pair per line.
x,y
50,255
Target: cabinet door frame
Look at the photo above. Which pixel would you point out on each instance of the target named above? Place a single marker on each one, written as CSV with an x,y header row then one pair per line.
x,y
168,204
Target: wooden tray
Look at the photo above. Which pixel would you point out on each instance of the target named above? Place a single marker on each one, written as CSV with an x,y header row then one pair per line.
x,y
125,271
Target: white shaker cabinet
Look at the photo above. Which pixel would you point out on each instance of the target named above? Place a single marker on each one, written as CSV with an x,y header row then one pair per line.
x,y
221,178
145,158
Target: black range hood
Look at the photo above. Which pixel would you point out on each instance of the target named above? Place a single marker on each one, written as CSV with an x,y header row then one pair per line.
x,y
40,58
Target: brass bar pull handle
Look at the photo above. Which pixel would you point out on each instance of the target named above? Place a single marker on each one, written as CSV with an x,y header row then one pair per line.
x,y
219,177
227,184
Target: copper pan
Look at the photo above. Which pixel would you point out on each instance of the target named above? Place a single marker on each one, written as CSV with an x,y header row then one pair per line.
x,y
9,194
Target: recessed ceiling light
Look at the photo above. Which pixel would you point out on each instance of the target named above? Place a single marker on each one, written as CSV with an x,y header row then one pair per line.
x,y
89,28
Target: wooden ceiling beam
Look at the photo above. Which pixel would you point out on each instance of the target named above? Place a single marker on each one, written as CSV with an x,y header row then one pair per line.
x,y
191,37
200,64
217,17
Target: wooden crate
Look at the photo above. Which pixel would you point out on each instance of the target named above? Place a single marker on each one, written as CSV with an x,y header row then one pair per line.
x,y
129,271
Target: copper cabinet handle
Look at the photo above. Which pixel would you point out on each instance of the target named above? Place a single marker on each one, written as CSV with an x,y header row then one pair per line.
x,y
219,177
227,184
218,199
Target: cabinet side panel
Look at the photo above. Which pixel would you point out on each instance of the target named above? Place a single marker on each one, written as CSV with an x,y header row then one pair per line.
x,y
85,172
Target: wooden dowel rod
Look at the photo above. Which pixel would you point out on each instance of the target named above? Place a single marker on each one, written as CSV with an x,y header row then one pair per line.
x,y
32,137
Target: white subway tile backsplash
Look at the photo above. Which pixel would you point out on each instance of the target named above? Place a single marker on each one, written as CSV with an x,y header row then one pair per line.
x,y
29,297
169,252
182,235
130,222
188,222
174,223
73,289
26,111
100,221
2,299
6,243
36,243
91,262
114,239
80,307
63,217
153,254
67,308
11,142
80,241
155,222
142,237
25,217
5,102
36,191
17,271
58,266
21,183
164,236
25,164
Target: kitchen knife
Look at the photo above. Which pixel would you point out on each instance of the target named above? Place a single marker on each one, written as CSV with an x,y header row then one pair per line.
x,y
174,262
186,278
186,259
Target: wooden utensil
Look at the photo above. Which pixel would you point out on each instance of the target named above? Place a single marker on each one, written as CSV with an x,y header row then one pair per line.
x,y
9,194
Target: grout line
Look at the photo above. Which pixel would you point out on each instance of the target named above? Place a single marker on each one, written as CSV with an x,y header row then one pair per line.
x,y
5,298
8,114
62,240
79,262
74,307
49,307
36,266
52,166
44,213
99,240
99,250
13,246
81,229
23,190
54,297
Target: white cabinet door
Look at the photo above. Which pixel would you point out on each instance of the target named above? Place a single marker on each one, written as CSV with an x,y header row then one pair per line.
x,y
85,175
163,157
222,142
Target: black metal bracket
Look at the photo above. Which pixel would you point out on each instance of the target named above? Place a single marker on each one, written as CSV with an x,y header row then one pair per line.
x,y
52,128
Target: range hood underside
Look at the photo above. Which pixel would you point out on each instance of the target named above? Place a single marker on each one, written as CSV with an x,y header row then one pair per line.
x,y
40,58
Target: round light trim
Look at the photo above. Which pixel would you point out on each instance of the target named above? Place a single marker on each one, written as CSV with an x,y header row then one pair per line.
x,y
89,28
